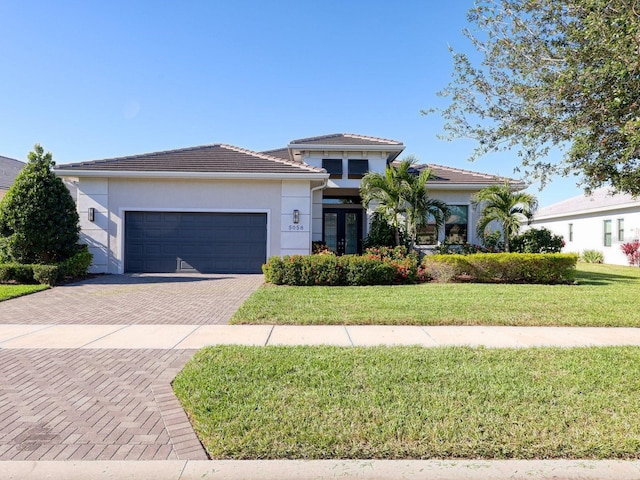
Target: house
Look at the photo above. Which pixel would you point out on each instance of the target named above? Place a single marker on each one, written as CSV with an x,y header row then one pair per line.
x,y
9,169
602,221
224,209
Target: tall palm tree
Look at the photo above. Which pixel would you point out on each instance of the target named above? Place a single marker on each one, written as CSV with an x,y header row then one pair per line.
x,y
401,195
507,207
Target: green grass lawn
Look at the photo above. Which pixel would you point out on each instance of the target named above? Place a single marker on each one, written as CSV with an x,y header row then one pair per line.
x,y
12,291
605,295
413,402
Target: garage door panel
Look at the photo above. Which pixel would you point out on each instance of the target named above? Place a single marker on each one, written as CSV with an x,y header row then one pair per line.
x,y
166,242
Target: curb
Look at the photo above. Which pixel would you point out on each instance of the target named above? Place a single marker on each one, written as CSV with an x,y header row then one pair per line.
x,y
324,470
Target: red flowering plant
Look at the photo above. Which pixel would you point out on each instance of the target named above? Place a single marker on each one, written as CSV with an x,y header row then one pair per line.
x,y
632,251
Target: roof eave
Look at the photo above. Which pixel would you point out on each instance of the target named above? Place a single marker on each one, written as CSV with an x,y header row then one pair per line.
x,y
197,175
588,211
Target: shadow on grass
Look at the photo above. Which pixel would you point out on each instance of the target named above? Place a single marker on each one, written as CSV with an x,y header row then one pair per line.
x,y
594,278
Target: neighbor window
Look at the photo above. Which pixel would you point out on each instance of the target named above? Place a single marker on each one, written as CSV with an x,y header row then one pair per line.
x,y
607,233
333,166
571,232
357,168
455,229
621,229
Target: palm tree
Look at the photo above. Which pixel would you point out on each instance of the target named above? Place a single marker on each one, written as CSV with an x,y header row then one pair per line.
x,y
400,194
421,207
507,207
386,191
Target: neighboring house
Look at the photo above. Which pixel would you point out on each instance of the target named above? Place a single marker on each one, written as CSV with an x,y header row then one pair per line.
x,y
9,169
223,209
600,222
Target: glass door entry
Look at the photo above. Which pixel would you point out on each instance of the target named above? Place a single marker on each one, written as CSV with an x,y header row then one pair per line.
x,y
342,230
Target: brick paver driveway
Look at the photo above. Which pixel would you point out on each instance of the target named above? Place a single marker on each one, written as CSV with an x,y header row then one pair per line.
x,y
114,404
135,299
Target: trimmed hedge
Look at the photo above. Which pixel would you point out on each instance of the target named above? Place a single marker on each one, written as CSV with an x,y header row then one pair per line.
x,y
545,268
306,270
76,266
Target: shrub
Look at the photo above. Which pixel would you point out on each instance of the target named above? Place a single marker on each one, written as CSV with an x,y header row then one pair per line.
x,y
632,251
592,256
78,265
503,267
46,274
381,234
537,240
384,268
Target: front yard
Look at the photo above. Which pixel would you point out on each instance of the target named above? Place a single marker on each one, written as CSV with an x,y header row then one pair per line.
x,y
12,291
605,295
413,402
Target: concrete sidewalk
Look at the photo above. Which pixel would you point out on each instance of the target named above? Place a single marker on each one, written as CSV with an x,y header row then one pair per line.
x,y
325,470
179,337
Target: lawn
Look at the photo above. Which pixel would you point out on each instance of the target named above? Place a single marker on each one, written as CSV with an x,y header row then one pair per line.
x,y
604,295
413,402
12,291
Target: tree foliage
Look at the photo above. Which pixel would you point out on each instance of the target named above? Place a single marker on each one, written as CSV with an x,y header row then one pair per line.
x,y
554,73
38,217
499,203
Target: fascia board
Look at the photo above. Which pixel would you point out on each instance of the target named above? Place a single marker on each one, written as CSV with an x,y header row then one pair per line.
x,y
196,175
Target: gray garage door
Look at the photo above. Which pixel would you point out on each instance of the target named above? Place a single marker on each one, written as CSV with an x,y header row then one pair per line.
x,y
164,242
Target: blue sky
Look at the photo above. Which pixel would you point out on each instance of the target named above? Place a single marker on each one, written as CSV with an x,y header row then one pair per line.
x,y
90,80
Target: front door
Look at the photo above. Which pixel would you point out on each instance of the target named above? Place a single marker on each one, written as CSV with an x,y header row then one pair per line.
x,y
342,230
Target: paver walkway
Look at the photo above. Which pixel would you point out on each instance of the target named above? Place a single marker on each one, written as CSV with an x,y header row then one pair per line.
x,y
59,402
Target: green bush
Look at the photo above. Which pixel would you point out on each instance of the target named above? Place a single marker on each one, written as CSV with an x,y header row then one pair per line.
x,y
15,272
537,240
592,256
381,234
46,274
384,268
503,267
78,265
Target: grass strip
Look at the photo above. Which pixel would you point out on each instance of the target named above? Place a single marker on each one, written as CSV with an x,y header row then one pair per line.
x,y
12,291
413,402
601,297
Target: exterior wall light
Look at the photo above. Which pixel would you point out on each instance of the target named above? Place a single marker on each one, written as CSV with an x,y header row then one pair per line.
x,y
296,216
92,214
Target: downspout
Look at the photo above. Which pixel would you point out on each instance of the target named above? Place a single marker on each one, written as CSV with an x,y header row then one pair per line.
x,y
322,186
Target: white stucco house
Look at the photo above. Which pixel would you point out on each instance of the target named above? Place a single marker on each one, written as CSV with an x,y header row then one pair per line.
x,y
224,209
601,221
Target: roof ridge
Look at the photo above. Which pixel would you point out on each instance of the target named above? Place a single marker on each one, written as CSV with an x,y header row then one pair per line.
x,y
272,158
150,154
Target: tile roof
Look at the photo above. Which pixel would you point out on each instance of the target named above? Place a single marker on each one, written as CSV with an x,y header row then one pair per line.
x,y
345,139
282,153
9,169
447,175
600,199
216,158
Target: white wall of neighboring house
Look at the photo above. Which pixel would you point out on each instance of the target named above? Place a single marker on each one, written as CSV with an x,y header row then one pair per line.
x,y
112,197
587,223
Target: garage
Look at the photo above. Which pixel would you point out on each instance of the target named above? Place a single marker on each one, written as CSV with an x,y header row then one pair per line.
x,y
203,242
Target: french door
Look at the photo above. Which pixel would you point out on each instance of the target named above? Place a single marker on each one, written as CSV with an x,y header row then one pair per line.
x,y
342,230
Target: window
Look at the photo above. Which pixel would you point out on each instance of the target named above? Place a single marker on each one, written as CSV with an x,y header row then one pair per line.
x,y
357,168
427,235
455,229
621,229
333,166
571,232
607,233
